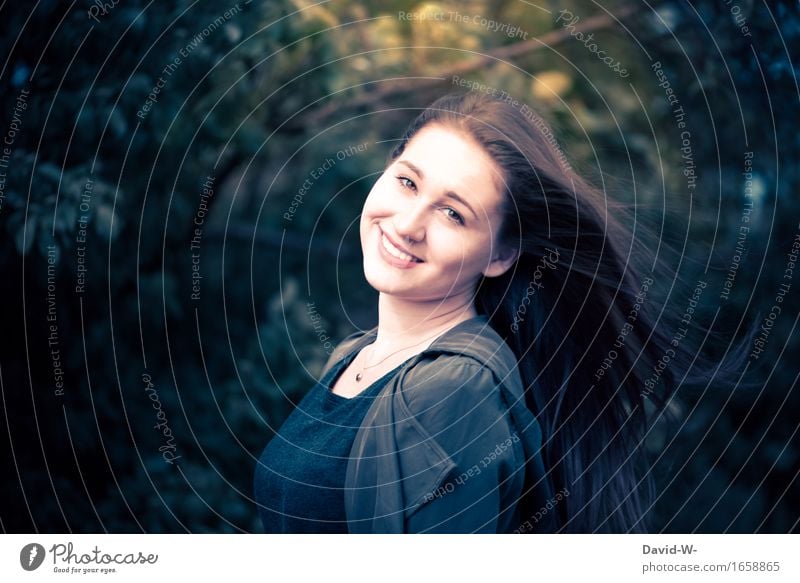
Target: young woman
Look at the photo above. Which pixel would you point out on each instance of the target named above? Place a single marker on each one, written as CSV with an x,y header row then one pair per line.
x,y
508,385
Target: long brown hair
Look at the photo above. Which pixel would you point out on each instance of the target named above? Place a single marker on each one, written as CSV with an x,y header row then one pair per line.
x,y
599,358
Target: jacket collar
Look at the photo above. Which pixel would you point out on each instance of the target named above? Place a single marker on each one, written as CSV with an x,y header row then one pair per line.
x,y
474,338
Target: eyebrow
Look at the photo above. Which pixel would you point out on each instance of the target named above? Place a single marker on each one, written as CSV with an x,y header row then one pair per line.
x,y
449,193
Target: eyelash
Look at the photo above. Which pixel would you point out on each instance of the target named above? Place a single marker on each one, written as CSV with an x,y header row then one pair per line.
x,y
454,217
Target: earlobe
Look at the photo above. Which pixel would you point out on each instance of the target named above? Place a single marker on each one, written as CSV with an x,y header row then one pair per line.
x,y
501,262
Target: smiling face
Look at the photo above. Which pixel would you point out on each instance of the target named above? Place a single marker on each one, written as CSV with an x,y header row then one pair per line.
x,y
429,225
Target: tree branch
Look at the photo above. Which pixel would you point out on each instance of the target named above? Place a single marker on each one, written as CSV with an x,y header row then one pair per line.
x,y
399,86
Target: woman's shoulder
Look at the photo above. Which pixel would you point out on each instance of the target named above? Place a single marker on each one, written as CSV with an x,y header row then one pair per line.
x,y
452,395
467,377
443,368
472,358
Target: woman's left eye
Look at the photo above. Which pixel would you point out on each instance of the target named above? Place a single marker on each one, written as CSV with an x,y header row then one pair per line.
x,y
407,182
455,216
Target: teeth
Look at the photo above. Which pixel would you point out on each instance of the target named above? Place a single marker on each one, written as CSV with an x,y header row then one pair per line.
x,y
394,251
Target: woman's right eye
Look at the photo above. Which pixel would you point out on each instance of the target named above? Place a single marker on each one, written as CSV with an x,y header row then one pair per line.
x,y
407,183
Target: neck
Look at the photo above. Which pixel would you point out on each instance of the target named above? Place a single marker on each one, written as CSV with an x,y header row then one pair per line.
x,y
403,323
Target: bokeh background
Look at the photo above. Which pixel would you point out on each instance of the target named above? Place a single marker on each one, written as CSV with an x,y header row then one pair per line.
x,y
180,186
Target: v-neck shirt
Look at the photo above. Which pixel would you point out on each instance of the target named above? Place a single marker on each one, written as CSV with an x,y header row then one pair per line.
x,y
300,475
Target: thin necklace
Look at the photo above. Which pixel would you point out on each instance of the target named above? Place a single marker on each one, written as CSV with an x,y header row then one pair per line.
x,y
360,375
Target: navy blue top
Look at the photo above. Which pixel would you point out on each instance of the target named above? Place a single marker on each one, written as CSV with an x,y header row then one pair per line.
x,y
299,478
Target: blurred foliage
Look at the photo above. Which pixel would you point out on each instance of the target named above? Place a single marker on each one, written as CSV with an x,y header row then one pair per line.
x,y
260,100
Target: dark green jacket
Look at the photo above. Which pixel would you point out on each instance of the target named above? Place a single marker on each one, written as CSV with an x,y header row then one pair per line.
x,y
448,445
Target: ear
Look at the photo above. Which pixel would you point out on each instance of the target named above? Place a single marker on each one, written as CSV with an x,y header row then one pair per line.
x,y
502,261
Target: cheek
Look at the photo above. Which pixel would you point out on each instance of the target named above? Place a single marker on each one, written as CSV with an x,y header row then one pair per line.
x,y
374,206
461,250
371,206
484,251
375,203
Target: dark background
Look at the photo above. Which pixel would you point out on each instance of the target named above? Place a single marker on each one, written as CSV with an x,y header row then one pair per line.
x,y
261,99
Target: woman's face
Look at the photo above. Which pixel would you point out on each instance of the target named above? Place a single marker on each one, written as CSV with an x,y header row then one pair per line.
x,y
440,203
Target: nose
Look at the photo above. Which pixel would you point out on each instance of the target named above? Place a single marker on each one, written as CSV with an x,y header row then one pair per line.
x,y
409,221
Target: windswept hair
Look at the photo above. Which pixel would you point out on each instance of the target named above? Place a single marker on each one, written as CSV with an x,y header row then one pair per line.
x,y
599,356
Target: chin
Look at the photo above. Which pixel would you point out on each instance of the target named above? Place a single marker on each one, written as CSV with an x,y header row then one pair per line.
x,y
379,279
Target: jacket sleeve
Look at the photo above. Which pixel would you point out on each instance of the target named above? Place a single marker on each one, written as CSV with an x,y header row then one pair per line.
x,y
459,404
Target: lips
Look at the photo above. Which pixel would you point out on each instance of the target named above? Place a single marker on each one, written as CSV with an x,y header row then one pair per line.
x,y
395,254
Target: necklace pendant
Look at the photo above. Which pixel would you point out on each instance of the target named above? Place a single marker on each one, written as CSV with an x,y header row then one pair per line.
x,y
358,377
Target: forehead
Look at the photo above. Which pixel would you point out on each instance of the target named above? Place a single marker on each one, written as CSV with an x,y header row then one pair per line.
x,y
454,161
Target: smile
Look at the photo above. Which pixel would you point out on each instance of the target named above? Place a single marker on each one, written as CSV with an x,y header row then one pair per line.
x,y
401,257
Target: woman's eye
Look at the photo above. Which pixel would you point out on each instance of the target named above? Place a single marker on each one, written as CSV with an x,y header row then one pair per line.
x,y
455,216
407,182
